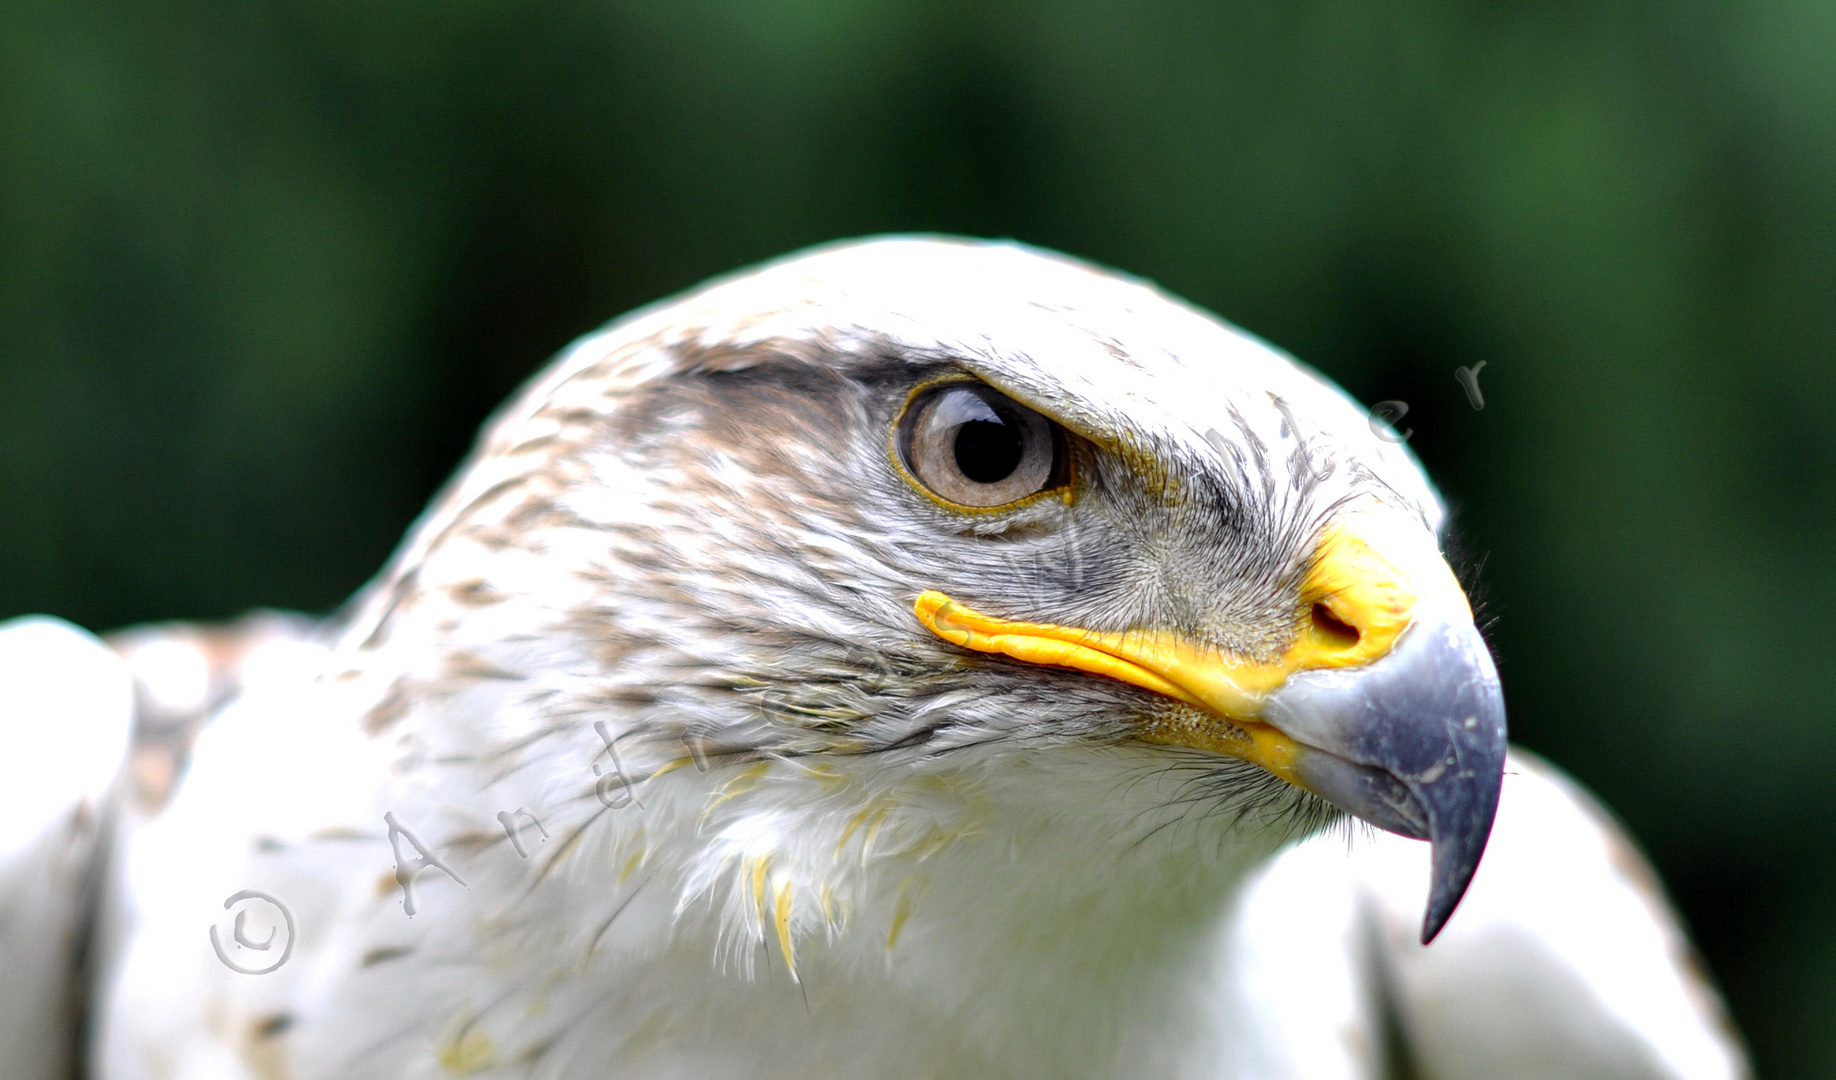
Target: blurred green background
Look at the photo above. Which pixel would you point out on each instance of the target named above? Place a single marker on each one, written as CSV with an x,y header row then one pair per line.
x,y
265,266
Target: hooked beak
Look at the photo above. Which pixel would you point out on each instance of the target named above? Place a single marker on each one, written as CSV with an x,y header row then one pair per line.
x,y
1387,704
1414,743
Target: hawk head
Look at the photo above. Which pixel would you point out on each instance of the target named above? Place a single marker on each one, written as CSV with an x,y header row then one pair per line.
x,y
896,543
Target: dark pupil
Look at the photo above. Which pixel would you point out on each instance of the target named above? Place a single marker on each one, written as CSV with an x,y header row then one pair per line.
x,y
988,451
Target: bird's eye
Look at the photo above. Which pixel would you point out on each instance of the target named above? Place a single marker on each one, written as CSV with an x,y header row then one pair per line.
x,y
973,446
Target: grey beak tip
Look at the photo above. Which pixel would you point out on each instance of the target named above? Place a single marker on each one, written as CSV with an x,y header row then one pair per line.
x,y
1455,861
1461,807
1414,744
1453,872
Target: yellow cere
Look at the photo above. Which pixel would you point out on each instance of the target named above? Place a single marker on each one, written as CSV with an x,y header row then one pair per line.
x,y
1372,570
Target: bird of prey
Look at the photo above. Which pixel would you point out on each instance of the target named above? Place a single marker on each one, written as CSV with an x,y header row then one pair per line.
x,y
913,658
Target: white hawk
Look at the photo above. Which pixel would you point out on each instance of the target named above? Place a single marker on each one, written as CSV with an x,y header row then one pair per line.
x,y
913,658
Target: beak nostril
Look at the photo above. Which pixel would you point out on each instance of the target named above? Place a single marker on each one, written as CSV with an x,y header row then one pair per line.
x,y
1331,631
